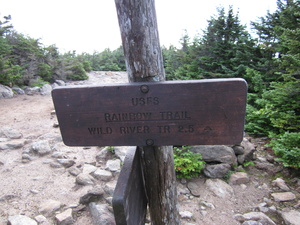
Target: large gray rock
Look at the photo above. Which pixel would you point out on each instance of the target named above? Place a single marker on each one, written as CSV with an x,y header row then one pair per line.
x,y
46,89
217,170
6,92
220,188
32,91
101,215
21,220
248,154
60,82
18,90
281,184
93,195
283,196
239,178
291,217
216,153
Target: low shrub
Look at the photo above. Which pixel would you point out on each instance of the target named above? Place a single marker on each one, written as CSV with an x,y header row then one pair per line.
x,y
187,164
287,149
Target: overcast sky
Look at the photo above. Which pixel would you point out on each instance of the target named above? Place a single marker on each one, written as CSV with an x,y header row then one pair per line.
x,y
92,25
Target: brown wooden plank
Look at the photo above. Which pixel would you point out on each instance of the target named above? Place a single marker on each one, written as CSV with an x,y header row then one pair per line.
x,y
129,199
202,112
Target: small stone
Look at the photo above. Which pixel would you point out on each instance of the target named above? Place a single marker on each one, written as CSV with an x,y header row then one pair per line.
x,y
217,170
66,162
74,171
46,89
220,188
12,144
255,216
21,220
59,155
120,152
252,222
113,165
110,187
49,207
92,196
281,184
11,133
207,204
55,165
102,175
182,189
283,196
100,214
239,178
26,157
88,168
297,206
65,218
41,147
238,150
243,186
40,219
84,179
33,191
194,189
186,215
291,217
55,124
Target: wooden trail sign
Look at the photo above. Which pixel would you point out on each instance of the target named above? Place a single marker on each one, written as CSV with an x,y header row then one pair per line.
x,y
200,112
129,200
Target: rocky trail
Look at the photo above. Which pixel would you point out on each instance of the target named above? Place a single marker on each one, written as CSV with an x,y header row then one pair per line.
x,y
45,182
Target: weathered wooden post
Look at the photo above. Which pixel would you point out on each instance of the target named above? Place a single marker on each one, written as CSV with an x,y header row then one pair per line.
x,y
138,26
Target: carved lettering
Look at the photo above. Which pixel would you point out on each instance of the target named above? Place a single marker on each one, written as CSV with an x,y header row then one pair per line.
x,y
186,129
145,101
99,130
134,130
164,129
123,117
178,115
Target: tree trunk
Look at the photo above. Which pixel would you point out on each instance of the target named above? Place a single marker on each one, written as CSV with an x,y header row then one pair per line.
x,y
143,56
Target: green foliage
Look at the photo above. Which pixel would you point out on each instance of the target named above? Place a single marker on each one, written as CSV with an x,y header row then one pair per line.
x,y
78,72
287,148
9,73
111,149
249,163
38,82
225,49
106,60
44,71
228,175
87,66
277,111
187,164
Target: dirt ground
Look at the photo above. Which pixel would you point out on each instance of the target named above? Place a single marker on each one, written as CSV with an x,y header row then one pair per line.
x,y
24,186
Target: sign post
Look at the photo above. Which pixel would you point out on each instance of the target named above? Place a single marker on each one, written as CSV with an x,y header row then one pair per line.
x,y
144,63
152,114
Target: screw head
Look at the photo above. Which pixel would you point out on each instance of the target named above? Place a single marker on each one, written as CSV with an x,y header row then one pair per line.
x,y
149,142
144,89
